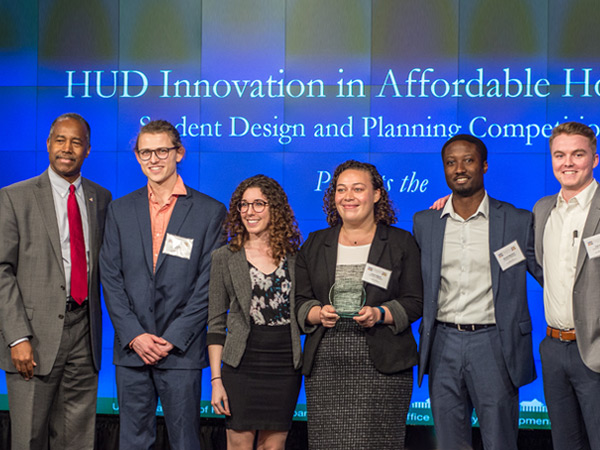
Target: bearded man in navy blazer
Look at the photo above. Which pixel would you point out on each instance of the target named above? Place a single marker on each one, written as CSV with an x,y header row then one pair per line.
x,y
155,265
475,337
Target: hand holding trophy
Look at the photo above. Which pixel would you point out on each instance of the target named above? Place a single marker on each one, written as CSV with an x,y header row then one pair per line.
x,y
347,297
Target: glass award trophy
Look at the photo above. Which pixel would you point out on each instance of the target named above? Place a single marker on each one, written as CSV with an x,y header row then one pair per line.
x,y
347,297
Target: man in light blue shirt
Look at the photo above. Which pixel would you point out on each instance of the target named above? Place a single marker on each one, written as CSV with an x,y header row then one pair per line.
x,y
50,316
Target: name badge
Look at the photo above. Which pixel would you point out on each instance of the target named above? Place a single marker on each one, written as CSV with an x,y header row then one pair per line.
x,y
509,255
592,246
178,246
377,275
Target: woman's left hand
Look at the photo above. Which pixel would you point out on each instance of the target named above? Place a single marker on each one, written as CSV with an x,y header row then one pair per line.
x,y
367,316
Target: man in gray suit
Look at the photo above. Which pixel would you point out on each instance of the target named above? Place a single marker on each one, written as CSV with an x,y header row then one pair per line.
x,y
475,337
50,318
567,240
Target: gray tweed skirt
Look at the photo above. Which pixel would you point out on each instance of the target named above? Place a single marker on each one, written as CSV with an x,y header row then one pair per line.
x,y
350,404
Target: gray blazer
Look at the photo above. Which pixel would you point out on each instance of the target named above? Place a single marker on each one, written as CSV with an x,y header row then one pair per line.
x,y
229,296
586,289
32,278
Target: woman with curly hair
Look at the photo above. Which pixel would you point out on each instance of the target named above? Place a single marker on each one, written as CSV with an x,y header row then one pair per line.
x,y
253,338
358,363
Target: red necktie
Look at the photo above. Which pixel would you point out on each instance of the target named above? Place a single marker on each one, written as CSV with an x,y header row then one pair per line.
x,y
79,283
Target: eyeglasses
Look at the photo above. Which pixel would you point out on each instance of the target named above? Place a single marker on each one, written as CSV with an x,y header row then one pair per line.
x,y
257,205
161,153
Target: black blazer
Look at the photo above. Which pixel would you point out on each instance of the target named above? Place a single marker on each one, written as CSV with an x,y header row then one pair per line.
x,y
392,348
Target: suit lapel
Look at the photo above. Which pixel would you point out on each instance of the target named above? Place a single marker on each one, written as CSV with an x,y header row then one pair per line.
x,y
292,266
89,194
180,212
378,245
438,230
240,277
45,201
589,229
330,250
142,212
496,235
541,218
380,241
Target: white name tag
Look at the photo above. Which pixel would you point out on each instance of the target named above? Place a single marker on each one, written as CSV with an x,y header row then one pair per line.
x,y
592,246
178,246
509,255
377,275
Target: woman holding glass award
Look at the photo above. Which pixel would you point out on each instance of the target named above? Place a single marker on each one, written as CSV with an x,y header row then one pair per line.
x,y
358,290
252,328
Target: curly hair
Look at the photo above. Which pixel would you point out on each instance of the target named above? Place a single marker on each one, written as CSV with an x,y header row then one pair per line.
x,y
384,209
284,236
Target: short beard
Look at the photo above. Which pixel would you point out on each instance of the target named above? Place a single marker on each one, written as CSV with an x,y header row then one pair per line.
x,y
466,191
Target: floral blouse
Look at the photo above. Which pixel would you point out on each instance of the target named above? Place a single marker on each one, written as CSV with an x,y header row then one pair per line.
x,y
270,303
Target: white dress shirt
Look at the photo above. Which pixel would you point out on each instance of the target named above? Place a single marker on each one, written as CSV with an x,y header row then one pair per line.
x,y
562,239
465,295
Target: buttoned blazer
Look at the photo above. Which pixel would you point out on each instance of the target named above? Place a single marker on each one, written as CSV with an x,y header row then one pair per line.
x,y
172,300
392,348
229,300
586,289
32,277
509,287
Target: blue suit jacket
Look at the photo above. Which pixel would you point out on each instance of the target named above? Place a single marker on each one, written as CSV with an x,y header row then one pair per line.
x,y
172,301
513,322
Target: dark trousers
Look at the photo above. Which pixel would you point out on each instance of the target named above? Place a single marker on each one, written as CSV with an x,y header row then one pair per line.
x,y
58,411
138,390
572,394
466,371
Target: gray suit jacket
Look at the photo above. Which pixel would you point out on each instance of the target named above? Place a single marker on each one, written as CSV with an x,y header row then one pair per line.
x,y
32,279
229,296
586,289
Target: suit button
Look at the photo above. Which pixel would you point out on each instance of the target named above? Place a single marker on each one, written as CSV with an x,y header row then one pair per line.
x,y
150,309
62,287
61,316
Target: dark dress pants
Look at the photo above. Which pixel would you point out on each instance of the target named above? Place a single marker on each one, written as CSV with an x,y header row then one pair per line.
x,y
467,370
572,394
139,388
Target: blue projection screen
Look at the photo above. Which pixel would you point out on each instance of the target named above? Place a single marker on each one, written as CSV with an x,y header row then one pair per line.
x,y
291,89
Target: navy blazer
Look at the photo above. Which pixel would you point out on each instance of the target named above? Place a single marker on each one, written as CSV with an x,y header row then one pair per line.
x,y
392,348
513,322
171,301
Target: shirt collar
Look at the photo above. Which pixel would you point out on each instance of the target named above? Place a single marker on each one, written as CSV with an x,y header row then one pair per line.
x,y
178,189
483,209
583,199
60,185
